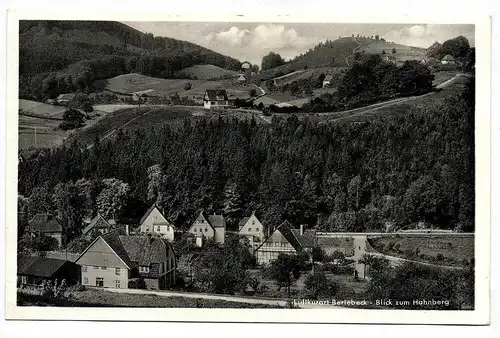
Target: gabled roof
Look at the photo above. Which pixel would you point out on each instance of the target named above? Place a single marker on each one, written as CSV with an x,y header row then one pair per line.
x,y
242,223
448,57
307,240
68,96
150,210
45,223
285,229
213,93
217,221
97,222
38,266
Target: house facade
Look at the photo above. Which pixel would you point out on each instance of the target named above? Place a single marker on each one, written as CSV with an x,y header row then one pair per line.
x,y
119,261
47,225
287,240
251,228
143,95
209,227
215,98
245,65
154,222
448,60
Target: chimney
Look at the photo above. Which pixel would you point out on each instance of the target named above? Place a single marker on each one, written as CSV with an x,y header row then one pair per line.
x,y
127,230
301,229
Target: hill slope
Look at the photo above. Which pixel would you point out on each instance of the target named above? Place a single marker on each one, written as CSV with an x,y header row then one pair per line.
x,y
58,56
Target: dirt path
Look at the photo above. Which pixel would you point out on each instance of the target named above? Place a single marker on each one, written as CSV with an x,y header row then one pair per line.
x,y
353,51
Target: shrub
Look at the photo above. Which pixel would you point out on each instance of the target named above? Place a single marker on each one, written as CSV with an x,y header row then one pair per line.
x,y
439,257
187,86
397,246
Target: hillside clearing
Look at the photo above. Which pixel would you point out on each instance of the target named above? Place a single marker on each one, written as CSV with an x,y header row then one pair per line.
x,y
39,132
205,72
41,109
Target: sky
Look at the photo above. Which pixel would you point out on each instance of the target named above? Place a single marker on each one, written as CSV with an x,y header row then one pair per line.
x,y
251,41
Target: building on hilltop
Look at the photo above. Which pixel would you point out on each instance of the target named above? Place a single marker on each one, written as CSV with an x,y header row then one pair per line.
x,y
327,81
208,227
287,240
448,60
122,261
47,225
154,222
143,95
246,65
215,98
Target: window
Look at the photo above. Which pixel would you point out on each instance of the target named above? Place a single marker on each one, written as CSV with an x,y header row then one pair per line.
x,y
249,229
257,229
158,229
85,280
202,221
194,229
206,229
117,271
99,282
96,267
253,222
144,269
84,268
117,284
103,268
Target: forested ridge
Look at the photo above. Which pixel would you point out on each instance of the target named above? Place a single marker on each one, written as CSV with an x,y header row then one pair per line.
x,y
340,177
65,56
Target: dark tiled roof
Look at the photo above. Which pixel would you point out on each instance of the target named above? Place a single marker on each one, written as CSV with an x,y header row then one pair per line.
x,y
243,221
213,93
38,266
286,230
217,221
113,240
45,223
145,250
307,240
98,222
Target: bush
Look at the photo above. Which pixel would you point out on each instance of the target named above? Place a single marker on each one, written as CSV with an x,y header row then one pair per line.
x,y
341,269
187,86
397,246
439,257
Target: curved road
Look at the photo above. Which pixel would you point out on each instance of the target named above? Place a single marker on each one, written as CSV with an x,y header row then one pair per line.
x,y
353,51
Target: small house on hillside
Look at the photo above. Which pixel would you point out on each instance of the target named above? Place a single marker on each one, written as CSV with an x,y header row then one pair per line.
x,y
285,240
143,95
251,228
448,60
64,99
241,78
122,261
390,59
327,81
47,225
36,269
215,98
154,222
246,65
99,224
206,227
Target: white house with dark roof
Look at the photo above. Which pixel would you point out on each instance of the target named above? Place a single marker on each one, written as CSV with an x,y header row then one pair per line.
x,y
209,226
251,228
215,98
118,261
99,224
154,222
287,240
246,65
448,60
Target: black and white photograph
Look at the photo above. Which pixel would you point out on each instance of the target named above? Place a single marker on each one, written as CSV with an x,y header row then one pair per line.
x,y
247,165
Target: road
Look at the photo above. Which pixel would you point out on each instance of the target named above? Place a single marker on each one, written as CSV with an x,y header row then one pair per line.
x,y
385,104
353,51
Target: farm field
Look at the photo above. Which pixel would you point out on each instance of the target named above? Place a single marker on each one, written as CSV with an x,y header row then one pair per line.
x,y
438,249
130,83
205,72
403,53
101,298
41,109
48,133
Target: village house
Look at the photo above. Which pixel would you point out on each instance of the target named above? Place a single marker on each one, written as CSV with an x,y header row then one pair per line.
x,y
34,270
241,78
285,239
120,261
208,227
246,65
448,60
215,98
47,225
98,224
251,228
154,222
327,81
143,95
64,99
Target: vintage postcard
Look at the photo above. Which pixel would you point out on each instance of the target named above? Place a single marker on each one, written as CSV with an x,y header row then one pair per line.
x,y
234,168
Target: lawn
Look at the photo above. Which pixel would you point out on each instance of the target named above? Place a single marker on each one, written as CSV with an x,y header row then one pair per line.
x,y
130,83
456,250
101,298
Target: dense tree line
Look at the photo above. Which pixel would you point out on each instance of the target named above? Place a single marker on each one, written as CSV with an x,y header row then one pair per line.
x,y
343,176
372,80
63,56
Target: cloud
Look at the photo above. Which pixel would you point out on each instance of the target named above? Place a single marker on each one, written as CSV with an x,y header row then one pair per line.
x,y
261,39
426,35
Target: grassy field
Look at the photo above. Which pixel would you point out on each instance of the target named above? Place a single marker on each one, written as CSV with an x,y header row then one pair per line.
x,y
403,53
438,249
130,83
41,109
101,298
205,72
48,133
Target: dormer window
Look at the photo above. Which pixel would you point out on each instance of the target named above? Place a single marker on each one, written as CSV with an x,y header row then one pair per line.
x,y
144,269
